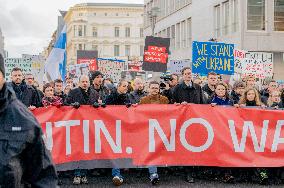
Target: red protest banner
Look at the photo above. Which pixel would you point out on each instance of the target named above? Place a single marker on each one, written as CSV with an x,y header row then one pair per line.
x,y
164,135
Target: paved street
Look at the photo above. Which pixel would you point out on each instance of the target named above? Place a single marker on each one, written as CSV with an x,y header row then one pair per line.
x,y
174,180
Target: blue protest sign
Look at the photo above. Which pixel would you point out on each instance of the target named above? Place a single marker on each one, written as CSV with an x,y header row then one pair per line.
x,y
212,57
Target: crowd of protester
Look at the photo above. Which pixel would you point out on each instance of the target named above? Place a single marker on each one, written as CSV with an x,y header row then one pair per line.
x,y
97,91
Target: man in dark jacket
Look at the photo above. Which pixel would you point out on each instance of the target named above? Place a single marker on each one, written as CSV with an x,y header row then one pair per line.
x,y
187,91
30,80
25,93
58,89
96,80
118,97
138,92
212,80
272,86
83,95
24,159
168,92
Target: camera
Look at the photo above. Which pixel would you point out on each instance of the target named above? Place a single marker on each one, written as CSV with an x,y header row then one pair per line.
x,y
166,77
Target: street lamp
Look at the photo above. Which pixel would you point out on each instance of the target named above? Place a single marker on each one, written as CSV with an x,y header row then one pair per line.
x,y
153,14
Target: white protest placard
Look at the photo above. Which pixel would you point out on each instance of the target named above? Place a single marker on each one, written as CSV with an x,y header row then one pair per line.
x,y
177,65
259,64
111,68
239,59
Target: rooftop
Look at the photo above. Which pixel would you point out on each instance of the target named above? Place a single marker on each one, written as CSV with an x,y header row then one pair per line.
x,y
109,5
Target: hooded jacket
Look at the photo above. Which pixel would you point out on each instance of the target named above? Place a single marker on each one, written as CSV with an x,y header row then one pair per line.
x,y
24,158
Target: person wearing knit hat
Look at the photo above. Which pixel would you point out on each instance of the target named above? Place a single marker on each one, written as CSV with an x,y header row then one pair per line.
x,y
96,81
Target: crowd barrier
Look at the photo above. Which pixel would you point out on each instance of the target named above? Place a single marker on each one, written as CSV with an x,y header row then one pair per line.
x,y
162,135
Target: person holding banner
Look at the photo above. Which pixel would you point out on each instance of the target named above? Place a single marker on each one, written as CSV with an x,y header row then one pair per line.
x,y
209,88
25,161
184,93
138,92
118,97
221,96
96,80
238,91
83,95
58,89
49,98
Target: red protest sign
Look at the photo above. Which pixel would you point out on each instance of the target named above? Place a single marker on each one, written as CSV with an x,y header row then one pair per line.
x,y
164,135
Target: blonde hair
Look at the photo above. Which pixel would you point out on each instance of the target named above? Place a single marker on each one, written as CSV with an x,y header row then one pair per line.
x,y
243,99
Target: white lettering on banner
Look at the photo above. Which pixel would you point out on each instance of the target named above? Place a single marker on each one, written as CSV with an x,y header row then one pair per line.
x,y
67,124
86,129
277,140
169,144
48,139
209,140
248,125
100,127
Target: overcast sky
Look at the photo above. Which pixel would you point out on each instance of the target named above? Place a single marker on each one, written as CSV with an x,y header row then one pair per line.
x,y
27,25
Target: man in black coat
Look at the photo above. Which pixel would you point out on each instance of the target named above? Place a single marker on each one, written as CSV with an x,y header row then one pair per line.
x,y
24,159
209,88
96,80
187,91
30,80
25,93
84,95
138,92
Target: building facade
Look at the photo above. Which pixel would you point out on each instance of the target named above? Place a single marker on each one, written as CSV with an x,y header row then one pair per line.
x,y
252,25
114,30
2,51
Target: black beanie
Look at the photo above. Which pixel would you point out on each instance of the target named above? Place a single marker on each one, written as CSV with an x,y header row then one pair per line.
x,y
2,68
94,74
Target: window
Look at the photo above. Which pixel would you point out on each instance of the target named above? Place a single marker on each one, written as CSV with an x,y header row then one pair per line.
x,y
279,15
116,31
95,14
141,50
127,14
80,31
173,36
235,15
183,34
116,14
168,32
75,30
85,30
105,14
256,15
127,32
116,50
95,47
80,47
189,33
217,21
95,32
141,32
178,36
226,13
127,50
80,14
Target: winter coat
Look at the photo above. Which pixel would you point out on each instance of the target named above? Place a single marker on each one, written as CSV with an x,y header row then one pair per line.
x,y
26,94
169,94
189,94
220,101
62,95
52,101
136,95
24,157
117,99
235,97
160,99
78,95
208,91
103,92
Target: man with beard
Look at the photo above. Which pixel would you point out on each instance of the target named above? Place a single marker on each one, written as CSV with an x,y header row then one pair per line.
x,y
25,93
138,92
24,161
